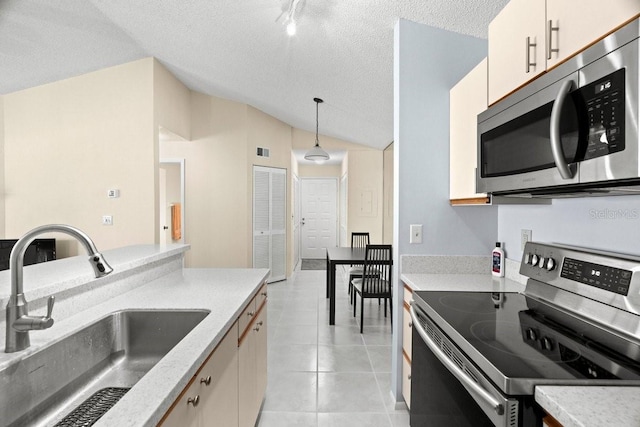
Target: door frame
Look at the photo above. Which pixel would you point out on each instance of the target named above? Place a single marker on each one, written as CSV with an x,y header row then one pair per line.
x,y
337,202
181,162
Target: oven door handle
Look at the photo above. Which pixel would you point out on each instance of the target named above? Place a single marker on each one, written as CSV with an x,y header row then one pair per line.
x,y
565,170
464,379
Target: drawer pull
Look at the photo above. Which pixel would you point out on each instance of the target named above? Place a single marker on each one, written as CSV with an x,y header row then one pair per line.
x,y
250,314
193,401
260,323
409,377
264,294
206,380
257,329
411,324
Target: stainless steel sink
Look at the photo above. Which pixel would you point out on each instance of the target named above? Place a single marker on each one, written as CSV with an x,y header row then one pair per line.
x,y
115,351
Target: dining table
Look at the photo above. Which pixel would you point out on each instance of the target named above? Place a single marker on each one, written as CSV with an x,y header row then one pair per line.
x,y
339,256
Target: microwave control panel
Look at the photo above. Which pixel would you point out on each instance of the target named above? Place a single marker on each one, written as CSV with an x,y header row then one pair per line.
x,y
604,100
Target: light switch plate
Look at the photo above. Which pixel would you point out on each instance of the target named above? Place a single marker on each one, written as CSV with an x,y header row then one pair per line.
x,y
416,233
107,220
525,236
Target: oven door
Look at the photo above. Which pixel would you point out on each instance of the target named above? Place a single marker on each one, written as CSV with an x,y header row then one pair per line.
x,y
447,389
516,150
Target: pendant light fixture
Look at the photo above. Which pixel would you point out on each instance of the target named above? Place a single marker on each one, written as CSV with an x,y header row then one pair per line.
x,y
317,154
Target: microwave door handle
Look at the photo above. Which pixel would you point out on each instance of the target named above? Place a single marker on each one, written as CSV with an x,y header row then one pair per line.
x,y
467,382
554,130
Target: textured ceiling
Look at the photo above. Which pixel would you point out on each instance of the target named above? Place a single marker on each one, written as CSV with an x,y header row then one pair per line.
x,y
238,49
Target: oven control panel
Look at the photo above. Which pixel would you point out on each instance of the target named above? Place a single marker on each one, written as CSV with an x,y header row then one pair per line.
x,y
572,268
601,276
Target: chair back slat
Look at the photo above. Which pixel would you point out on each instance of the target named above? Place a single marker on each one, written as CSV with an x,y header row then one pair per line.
x,y
378,262
359,239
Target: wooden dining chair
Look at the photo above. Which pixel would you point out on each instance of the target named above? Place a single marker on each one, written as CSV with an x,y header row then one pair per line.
x,y
375,281
359,239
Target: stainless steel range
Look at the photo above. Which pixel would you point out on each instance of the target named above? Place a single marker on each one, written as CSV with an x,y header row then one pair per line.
x,y
477,356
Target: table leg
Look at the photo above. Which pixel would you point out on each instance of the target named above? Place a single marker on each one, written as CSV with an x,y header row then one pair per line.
x,y
332,294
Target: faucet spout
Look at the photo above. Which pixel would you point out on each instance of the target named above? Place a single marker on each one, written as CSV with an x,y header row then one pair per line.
x,y
19,323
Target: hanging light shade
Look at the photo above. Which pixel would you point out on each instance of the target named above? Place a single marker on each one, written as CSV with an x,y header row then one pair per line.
x,y
317,154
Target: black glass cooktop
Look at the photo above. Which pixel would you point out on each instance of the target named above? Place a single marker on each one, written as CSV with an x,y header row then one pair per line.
x,y
522,338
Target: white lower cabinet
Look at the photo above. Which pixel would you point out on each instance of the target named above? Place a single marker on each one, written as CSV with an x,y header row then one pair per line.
x,y
229,388
406,346
252,374
211,397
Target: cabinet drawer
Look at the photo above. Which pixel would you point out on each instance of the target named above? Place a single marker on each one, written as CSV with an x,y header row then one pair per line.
x,y
407,295
246,317
261,297
406,332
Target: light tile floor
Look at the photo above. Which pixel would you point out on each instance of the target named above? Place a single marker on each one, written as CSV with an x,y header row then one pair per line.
x,y
321,375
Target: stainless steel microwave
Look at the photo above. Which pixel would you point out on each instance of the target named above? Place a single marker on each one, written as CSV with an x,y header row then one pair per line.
x,y
571,132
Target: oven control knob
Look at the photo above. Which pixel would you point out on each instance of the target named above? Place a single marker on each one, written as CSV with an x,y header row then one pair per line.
x,y
547,343
534,259
531,334
550,264
527,258
541,262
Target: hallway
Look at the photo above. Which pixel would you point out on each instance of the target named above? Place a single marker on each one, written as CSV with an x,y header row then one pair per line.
x,y
321,375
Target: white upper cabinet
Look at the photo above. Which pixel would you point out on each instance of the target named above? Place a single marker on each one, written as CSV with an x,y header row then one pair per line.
x,y
516,46
574,25
467,99
529,37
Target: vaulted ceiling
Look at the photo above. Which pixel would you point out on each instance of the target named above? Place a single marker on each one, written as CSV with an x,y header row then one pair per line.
x,y
239,50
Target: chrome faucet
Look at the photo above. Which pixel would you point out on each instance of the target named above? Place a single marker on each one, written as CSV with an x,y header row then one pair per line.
x,y
19,323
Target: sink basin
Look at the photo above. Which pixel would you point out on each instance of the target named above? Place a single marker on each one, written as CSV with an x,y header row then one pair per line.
x,y
113,352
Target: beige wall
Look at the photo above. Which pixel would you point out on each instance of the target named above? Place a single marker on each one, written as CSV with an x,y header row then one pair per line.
x,y
68,142
365,193
319,171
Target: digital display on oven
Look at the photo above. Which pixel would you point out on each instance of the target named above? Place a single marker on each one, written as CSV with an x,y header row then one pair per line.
x,y
600,276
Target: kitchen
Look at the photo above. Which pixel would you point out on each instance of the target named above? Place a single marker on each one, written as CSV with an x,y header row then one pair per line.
x,y
448,231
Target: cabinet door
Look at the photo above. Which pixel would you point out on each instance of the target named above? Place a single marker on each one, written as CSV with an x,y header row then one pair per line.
x,y
406,381
508,50
218,380
185,411
261,356
467,99
579,25
247,380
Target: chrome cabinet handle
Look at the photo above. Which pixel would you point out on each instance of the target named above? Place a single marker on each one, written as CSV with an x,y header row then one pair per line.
x,y
264,294
250,314
550,30
193,400
529,45
554,131
206,380
260,323
466,382
411,324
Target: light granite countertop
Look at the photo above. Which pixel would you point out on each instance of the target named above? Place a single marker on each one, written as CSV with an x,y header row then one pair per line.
x,y
460,282
591,406
223,292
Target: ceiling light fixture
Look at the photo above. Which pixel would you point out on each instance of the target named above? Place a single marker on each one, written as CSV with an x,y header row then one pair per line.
x,y
290,22
317,154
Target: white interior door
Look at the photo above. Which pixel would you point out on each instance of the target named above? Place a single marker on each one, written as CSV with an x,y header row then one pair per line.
x,y
318,216
296,221
269,220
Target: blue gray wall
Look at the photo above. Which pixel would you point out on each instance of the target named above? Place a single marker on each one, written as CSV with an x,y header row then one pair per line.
x,y
607,223
428,62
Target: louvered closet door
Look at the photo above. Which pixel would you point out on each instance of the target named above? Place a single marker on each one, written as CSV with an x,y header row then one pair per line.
x,y
269,220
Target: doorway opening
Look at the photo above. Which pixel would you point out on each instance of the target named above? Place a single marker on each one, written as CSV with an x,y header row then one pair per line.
x,y
171,198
